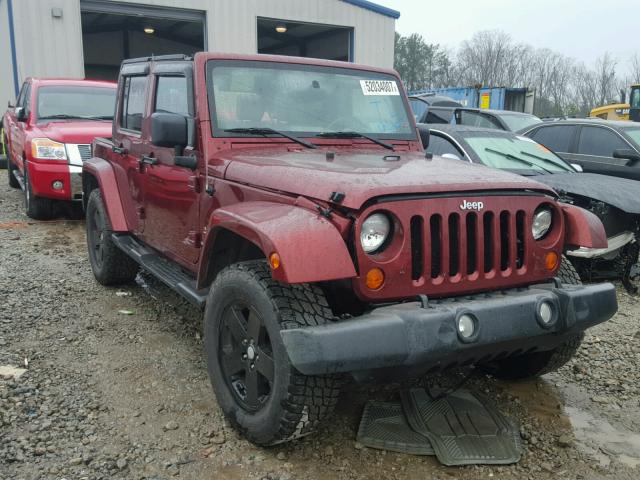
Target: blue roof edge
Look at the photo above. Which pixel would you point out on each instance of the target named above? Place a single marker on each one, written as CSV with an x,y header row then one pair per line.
x,y
374,7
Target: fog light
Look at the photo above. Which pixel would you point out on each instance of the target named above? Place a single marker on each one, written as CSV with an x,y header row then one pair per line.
x,y
466,326
546,314
57,185
374,278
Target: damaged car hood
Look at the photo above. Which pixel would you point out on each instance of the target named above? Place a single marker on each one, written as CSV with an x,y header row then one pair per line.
x,y
617,192
363,175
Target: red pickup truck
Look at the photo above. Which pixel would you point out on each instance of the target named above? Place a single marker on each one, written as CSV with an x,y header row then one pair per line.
x,y
292,199
48,135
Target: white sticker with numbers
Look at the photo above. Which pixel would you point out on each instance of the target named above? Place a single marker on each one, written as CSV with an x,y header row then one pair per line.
x,y
379,87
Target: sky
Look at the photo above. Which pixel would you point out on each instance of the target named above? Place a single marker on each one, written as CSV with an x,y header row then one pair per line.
x,y
582,29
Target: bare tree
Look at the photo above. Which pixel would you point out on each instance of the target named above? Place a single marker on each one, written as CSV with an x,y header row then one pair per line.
x,y
634,64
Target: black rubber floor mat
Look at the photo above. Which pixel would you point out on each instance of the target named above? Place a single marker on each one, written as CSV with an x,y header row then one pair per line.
x,y
463,429
384,426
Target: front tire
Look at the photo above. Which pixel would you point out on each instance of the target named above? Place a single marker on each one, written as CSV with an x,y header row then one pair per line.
x,y
110,265
536,364
36,207
259,391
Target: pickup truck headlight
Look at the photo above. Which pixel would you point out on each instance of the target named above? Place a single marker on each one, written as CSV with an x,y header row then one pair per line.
x,y
46,149
541,222
374,232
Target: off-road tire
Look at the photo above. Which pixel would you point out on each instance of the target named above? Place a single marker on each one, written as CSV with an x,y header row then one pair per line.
x,y
35,207
536,364
13,181
296,403
112,266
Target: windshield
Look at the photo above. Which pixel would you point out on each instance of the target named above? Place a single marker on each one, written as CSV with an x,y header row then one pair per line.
x,y
634,133
72,101
519,122
305,100
515,153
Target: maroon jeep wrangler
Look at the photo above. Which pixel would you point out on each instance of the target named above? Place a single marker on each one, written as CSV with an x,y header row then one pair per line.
x,y
292,199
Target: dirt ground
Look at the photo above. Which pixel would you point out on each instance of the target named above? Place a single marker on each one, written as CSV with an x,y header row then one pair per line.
x,y
116,387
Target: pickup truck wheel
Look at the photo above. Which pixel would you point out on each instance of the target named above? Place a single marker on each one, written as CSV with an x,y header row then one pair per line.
x,y
110,265
36,207
13,181
257,388
539,363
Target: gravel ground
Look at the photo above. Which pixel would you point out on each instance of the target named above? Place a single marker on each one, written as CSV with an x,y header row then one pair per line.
x,y
116,387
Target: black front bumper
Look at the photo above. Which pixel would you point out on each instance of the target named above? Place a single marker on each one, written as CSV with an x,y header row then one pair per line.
x,y
413,334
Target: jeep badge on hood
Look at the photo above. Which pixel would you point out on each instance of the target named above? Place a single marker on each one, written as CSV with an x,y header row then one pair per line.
x,y
466,205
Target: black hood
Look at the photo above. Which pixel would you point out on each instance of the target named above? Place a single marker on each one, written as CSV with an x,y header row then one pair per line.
x,y
617,192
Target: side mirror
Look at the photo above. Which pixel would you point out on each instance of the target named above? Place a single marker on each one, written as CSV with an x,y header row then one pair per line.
x,y
424,136
627,154
577,167
21,114
169,130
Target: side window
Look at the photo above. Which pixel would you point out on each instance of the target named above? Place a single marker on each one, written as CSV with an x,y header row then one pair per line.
x,y
439,146
599,141
172,95
556,137
24,98
476,119
133,100
27,99
22,95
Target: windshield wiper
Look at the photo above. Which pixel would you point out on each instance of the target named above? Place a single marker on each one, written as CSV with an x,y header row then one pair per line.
x,y
270,131
546,160
517,159
64,116
350,134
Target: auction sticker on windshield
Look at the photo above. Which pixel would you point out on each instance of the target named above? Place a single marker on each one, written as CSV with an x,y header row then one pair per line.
x,y
379,87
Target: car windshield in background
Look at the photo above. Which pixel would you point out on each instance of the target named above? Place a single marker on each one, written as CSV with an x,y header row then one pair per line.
x,y
75,102
305,100
634,133
519,122
516,153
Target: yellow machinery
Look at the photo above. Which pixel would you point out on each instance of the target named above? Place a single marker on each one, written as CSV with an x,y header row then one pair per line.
x,y
621,111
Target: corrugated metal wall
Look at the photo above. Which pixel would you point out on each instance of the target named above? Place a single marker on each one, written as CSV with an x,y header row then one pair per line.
x,y
6,79
48,46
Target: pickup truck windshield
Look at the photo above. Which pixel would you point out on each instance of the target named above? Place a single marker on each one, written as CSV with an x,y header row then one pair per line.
x,y
305,100
70,102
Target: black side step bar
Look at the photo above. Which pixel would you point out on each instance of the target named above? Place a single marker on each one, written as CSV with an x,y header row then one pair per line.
x,y
163,269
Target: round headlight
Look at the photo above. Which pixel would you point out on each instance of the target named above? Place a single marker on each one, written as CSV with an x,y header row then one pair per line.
x,y
375,230
541,223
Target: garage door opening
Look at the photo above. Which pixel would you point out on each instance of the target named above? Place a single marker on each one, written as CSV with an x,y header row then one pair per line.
x,y
283,37
112,32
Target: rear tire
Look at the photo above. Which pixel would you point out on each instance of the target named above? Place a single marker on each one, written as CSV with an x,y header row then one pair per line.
x,y
37,208
110,265
13,181
268,400
536,364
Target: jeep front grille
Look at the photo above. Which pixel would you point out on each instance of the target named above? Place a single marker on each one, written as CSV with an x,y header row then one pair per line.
x,y
442,249
467,244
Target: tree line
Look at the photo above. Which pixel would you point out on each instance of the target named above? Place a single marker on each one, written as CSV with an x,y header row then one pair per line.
x,y
491,58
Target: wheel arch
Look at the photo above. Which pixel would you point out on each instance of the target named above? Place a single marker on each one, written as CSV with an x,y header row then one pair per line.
x,y
290,231
98,173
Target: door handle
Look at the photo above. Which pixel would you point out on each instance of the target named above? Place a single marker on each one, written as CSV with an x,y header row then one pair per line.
x,y
147,160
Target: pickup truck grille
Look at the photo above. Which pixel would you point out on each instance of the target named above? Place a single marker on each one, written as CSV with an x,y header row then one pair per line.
x,y
466,245
441,248
85,152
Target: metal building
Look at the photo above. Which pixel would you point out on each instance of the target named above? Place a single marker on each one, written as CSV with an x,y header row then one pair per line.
x,y
89,38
